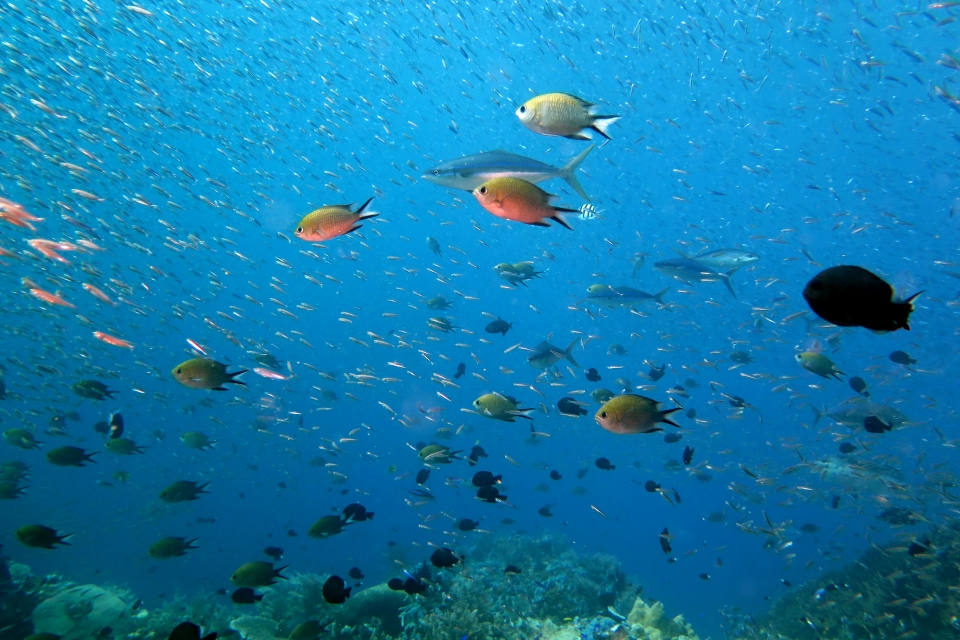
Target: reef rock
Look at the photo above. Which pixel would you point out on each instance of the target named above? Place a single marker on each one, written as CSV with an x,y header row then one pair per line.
x,y
80,613
254,628
656,624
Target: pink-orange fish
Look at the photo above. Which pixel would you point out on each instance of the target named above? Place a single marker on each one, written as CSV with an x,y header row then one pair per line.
x,y
50,298
15,215
520,201
331,221
112,340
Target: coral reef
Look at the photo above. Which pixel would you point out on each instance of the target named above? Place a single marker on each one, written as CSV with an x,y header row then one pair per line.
x,y
557,595
907,590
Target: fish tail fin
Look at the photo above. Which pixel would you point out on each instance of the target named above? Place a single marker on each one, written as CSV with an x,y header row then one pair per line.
x,y
364,205
234,375
563,222
659,296
906,307
367,216
602,123
683,254
569,356
817,414
726,280
569,172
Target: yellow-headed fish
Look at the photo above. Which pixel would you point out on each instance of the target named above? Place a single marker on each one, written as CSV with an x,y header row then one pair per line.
x,y
500,407
631,413
204,373
561,114
331,221
520,201
819,364
256,574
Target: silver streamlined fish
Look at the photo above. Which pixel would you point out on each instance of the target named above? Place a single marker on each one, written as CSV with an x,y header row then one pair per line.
x,y
722,259
689,270
469,172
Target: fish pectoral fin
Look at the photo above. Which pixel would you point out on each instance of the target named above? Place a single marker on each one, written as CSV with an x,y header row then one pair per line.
x,y
539,223
583,136
219,389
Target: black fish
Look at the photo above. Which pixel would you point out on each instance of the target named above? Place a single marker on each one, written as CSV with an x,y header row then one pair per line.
x,y
461,369
835,501
603,463
665,541
873,424
846,447
485,479
444,558
691,413
356,573
356,512
422,475
581,473
395,584
511,570
676,496
545,511
490,494
334,592
102,428
555,475
918,547
475,454
850,296
859,386
411,586
655,374
901,357
189,631
592,375
651,486
116,426
498,326
274,552
687,455
468,525
246,595
570,407
671,437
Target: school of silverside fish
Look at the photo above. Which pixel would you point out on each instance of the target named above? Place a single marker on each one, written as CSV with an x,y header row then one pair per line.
x,y
275,268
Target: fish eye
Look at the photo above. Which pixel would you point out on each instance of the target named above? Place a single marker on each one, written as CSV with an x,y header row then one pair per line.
x,y
179,371
299,229
603,414
523,109
483,191
436,172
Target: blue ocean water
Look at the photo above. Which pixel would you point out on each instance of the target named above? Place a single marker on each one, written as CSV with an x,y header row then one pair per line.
x,y
185,141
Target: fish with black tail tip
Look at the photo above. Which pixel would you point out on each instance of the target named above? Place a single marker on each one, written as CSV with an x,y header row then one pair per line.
x,y
39,536
204,373
687,455
70,456
630,413
256,574
444,558
183,490
189,631
332,221
246,595
851,296
335,590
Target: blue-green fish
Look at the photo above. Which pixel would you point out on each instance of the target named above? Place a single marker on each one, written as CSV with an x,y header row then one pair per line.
x,y
469,172
689,270
617,297
545,355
